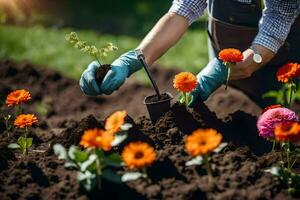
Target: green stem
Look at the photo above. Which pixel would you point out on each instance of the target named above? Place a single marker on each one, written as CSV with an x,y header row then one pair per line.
x,y
25,151
274,144
293,163
98,171
17,110
228,75
288,156
98,60
291,93
185,99
145,175
208,169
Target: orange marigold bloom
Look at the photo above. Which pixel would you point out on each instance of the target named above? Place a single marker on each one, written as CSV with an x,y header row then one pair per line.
x,y
17,97
138,155
25,120
287,131
231,55
202,141
288,72
271,107
115,121
97,138
185,82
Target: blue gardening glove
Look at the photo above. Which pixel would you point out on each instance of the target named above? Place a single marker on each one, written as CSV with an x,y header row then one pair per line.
x,y
121,68
209,79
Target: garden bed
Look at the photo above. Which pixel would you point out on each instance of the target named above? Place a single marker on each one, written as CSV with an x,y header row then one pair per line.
x,y
64,114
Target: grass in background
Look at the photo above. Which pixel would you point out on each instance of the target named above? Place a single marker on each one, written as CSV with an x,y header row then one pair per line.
x,y
48,47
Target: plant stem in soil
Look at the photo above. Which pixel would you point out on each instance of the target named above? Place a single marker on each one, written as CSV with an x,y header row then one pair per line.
x,y
145,175
17,110
98,172
208,169
98,60
25,151
288,156
273,146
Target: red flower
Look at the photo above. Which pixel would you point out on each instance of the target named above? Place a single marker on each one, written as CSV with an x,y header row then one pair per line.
x,y
271,107
288,72
231,55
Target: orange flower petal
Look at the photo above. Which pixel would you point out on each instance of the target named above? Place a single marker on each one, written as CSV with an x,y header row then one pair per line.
x,y
288,72
17,97
202,141
115,121
97,138
25,120
287,131
231,55
185,82
137,155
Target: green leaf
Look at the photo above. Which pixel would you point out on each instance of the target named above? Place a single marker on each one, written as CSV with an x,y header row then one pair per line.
x,y
131,176
119,138
273,170
72,152
220,147
111,175
113,160
92,158
13,146
87,180
126,127
195,161
25,143
80,156
60,151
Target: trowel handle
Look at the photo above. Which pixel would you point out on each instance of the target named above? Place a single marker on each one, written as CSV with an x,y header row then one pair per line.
x,y
140,56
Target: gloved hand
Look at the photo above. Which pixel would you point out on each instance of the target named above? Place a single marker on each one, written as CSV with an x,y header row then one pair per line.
x,y
209,79
121,68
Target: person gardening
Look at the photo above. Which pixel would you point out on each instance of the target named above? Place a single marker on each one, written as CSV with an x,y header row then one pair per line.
x,y
267,32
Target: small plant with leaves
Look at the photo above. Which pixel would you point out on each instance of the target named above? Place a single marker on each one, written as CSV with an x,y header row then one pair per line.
x,y
289,75
96,53
24,122
137,156
185,82
97,160
230,57
201,144
8,126
288,133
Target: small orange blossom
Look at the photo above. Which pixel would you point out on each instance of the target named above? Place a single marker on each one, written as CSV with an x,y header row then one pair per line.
x,y
25,120
17,97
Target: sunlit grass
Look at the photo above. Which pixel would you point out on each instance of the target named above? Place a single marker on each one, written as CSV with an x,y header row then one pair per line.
x,y
48,47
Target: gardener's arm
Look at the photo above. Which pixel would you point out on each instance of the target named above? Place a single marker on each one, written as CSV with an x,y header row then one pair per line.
x,y
274,27
164,35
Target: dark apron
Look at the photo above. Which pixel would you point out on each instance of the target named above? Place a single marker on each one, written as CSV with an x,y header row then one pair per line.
x,y
232,24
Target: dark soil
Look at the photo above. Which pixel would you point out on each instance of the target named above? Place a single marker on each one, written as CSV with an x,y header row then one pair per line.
x,y
156,99
101,72
238,170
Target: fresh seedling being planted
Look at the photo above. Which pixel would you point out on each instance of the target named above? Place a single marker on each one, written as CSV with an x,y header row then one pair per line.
x,y
97,53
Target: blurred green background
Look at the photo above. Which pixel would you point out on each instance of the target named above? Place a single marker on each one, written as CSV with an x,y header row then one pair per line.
x,y
34,30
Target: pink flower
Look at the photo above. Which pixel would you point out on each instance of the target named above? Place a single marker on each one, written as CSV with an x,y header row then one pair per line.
x,y
268,120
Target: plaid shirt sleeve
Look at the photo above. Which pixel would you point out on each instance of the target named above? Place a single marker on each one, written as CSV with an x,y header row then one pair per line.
x,y
190,9
274,26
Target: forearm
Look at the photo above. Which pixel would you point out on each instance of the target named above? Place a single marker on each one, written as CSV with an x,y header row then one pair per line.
x,y
163,36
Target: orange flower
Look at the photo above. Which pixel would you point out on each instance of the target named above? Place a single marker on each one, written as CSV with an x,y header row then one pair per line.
x,y
288,72
17,97
115,121
25,120
231,55
185,82
138,155
202,141
287,131
97,138
271,107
